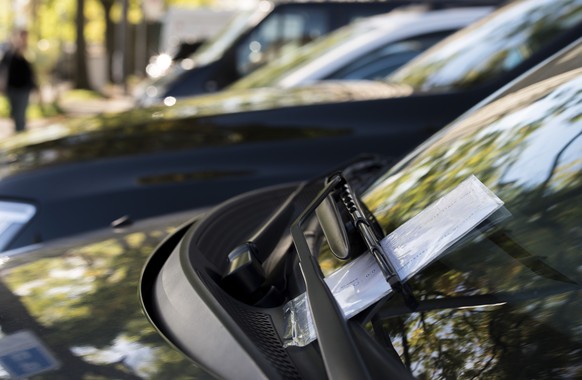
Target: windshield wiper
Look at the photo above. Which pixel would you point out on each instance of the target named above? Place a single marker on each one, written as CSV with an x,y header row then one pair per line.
x,y
251,266
338,349
475,301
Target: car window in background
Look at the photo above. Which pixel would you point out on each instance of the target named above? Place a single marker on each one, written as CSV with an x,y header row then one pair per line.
x,y
348,41
383,61
278,33
215,47
491,47
271,74
523,270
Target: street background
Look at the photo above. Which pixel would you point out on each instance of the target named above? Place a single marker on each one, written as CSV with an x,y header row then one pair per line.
x,y
72,106
88,55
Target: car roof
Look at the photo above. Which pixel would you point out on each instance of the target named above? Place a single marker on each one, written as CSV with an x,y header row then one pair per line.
x,y
397,25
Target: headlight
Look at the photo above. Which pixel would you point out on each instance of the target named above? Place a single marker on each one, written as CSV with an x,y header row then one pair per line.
x,y
13,216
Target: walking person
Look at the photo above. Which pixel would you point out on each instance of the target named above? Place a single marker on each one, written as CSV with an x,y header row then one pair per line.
x,y
19,78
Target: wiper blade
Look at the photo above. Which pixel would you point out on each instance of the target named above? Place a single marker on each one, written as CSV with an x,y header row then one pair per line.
x,y
338,349
370,237
476,301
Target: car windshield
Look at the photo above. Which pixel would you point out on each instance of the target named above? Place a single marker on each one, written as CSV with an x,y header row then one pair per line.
x,y
526,148
275,72
491,47
215,47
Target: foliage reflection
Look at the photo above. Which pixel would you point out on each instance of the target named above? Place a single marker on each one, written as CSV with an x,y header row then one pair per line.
x,y
84,306
527,149
491,47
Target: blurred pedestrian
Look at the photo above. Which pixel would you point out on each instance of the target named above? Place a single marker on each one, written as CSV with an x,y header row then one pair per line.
x,y
18,78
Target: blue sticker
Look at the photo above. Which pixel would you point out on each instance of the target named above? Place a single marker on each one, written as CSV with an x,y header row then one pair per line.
x,y
22,354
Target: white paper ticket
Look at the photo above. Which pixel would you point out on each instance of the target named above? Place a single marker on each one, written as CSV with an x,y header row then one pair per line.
x,y
414,245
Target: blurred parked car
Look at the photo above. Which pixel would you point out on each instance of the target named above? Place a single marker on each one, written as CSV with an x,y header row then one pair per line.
x,y
256,37
115,169
504,301
70,307
366,49
183,30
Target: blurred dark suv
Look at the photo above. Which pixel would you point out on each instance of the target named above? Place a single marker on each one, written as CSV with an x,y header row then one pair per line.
x,y
257,36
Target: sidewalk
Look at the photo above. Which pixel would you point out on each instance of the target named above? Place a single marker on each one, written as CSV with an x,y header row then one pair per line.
x,y
115,102
7,128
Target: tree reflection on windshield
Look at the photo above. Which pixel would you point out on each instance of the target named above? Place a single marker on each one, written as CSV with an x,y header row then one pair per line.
x,y
527,149
491,47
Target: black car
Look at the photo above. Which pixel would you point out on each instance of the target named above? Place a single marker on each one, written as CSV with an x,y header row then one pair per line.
x,y
370,48
462,261
90,173
503,303
257,36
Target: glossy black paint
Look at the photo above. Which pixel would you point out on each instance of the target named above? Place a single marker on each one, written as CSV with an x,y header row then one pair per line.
x,y
87,179
78,297
90,172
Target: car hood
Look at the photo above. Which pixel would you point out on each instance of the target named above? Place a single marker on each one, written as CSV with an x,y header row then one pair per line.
x,y
188,123
75,304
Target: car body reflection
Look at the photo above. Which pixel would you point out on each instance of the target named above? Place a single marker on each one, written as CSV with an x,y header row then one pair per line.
x,y
526,149
79,300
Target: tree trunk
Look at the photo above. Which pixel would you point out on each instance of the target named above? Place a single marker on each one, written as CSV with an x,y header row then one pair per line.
x,y
81,74
109,37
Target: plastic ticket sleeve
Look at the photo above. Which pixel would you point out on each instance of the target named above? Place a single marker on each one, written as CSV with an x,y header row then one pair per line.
x,y
411,247
358,285
423,238
299,328
355,287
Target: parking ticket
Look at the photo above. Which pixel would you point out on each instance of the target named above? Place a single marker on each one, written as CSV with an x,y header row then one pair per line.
x,y
410,248
414,245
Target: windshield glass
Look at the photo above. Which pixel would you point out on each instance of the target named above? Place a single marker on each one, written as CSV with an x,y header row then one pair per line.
x,y
491,47
215,47
526,148
273,73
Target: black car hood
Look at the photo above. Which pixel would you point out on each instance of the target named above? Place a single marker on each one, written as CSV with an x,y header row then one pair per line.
x,y
187,124
78,300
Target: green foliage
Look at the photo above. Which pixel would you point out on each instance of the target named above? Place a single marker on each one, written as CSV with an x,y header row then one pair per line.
x,y
4,112
61,13
53,31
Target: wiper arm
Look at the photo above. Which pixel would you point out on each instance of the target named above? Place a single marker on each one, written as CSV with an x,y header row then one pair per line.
x,y
371,239
250,266
338,349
